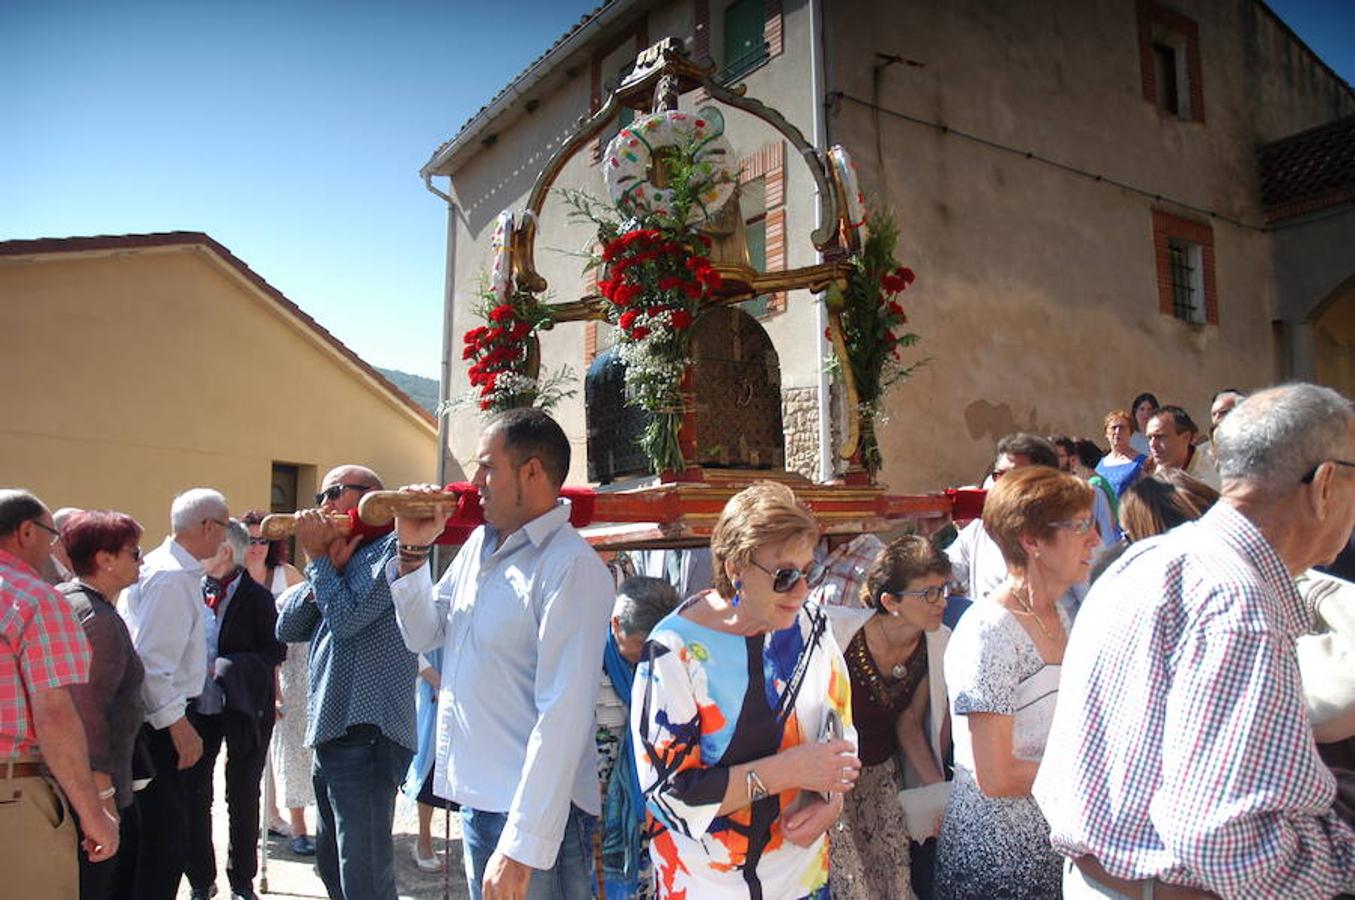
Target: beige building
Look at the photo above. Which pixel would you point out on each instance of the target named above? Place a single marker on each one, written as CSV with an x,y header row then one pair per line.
x,y
1077,185
141,365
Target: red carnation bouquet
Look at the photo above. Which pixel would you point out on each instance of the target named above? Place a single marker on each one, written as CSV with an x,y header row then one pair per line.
x,y
505,359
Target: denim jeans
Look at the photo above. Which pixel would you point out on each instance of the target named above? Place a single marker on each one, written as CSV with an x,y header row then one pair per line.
x,y
571,878
356,777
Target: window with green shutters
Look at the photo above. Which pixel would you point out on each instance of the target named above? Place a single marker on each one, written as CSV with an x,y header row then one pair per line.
x,y
745,44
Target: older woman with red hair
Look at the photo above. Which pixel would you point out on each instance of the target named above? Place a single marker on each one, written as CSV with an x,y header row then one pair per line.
x,y
106,558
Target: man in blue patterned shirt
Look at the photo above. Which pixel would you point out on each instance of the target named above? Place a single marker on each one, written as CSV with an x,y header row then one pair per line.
x,y
361,702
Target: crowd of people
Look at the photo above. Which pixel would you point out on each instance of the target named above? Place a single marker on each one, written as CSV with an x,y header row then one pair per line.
x,y
1126,679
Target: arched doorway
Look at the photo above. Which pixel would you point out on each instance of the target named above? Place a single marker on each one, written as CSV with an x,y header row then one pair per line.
x,y
1333,331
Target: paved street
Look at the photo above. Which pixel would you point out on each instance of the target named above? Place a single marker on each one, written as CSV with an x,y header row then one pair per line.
x,y
289,875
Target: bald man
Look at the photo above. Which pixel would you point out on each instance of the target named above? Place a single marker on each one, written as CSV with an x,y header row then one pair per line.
x,y
361,703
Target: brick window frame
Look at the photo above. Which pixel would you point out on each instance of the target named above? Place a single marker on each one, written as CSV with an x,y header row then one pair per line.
x,y
638,36
1168,228
769,163
1155,20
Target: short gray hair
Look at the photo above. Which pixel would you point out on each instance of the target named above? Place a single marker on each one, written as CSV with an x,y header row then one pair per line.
x,y
642,601
237,538
196,505
1275,437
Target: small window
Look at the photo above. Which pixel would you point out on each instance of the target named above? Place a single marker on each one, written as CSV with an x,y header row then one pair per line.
x,y
746,46
1187,267
626,115
1169,48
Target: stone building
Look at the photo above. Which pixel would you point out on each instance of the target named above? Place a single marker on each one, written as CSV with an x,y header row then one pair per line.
x,y
142,365
1077,184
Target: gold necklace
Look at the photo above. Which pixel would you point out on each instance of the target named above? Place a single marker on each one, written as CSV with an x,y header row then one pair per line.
x,y
1028,608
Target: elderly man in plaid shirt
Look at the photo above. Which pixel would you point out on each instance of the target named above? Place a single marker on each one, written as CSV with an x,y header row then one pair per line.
x,y
1181,761
42,650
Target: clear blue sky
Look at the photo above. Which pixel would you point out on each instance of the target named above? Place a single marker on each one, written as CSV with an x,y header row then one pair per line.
x,y
292,131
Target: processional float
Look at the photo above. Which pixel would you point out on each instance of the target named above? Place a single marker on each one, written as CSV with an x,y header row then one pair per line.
x,y
685,410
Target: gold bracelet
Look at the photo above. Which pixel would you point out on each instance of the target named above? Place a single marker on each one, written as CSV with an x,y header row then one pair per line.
x,y
756,789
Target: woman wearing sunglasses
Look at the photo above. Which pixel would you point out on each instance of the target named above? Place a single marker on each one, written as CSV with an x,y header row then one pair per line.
x,y
741,716
103,550
894,652
1002,672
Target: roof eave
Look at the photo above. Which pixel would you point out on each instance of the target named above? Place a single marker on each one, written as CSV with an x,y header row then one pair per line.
x,y
452,154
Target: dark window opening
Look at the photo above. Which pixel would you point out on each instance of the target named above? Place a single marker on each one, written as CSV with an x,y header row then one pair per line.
x,y
1168,84
1183,259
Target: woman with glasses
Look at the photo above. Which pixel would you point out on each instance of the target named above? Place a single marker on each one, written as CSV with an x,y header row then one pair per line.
x,y
106,558
266,562
1002,671
741,716
894,652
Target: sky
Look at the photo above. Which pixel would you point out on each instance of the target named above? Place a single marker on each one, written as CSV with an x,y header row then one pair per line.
x,y
292,132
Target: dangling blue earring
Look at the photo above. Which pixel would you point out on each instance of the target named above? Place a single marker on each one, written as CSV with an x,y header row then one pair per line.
x,y
737,599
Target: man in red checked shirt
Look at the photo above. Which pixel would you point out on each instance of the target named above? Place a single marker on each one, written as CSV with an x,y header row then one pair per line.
x,y
42,649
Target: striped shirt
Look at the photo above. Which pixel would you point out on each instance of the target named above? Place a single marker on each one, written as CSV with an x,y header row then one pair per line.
x,y
1181,748
42,646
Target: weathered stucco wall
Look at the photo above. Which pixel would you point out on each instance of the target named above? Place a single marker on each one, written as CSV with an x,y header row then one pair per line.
x,y
137,375
1037,288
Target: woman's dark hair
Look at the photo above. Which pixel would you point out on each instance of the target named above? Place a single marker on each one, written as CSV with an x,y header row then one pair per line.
x,y
277,550
1159,503
87,532
1134,409
1087,452
899,564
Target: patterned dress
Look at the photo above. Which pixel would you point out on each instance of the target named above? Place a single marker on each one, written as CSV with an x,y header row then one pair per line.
x,y
864,867
291,756
706,700
997,846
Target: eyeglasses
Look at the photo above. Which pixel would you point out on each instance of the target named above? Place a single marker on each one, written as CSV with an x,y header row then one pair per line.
x,y
334,491
1312,473
56,535
933,595
256,541
784,579
1076,526
133,552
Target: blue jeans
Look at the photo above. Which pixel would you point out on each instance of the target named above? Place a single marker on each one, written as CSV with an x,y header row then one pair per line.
x,y
571,878
356,777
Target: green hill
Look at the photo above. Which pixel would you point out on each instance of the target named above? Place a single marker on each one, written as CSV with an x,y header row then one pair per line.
x,y
423,391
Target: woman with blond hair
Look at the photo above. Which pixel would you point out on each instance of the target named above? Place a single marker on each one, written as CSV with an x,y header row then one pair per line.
x,y
741,715
1002,672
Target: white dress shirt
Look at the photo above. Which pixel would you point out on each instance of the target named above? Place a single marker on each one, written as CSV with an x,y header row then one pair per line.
x,y
522,628
164,613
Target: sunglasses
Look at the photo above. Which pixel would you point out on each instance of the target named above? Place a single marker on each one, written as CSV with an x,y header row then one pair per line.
x,y
334,491
1076,526
785,579
133,552
933,595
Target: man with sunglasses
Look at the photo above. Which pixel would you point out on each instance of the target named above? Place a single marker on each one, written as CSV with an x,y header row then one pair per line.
x,y
165,617
43,651
1181,759
521,617
361,701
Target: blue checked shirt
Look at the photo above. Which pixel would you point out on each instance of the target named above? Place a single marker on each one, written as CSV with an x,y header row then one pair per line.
x,y
1181,748
360,671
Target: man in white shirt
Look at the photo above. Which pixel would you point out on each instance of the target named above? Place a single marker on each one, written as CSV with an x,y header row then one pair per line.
x,y
521,616
1171,436
164,613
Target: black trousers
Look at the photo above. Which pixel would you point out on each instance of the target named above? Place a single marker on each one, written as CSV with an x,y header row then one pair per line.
x,y
164,822
244,775
113,879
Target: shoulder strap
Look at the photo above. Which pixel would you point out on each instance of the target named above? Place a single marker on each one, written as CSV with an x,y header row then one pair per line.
x,y
80,603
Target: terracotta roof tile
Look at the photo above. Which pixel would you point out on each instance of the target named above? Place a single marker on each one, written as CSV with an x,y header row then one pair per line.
x,y
1309,170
